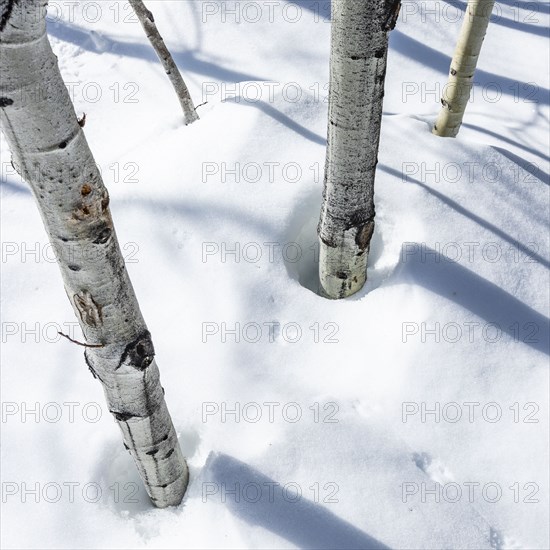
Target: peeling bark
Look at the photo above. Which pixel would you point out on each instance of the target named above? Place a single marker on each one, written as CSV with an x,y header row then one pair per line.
x,y
463,66
148,23
359,47
51,153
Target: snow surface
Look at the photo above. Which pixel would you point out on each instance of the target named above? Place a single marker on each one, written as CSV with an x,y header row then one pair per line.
x,y
365,453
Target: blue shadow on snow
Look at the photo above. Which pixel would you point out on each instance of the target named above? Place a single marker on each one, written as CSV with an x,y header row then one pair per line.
x,y
302,522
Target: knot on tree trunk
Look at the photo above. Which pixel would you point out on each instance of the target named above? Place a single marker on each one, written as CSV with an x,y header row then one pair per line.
x,y
139,353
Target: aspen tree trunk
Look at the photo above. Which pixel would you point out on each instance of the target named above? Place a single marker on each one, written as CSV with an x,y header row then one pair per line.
x,y
359,47
457,91
148,23
51,153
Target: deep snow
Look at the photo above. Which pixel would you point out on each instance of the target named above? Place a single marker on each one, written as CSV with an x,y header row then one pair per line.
x,y
465,337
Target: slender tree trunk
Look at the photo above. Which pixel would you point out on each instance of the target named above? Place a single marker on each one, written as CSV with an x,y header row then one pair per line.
x,y
148,23
359,47
51,153
463,66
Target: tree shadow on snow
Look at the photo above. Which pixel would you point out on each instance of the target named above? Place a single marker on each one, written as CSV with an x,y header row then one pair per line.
x,y
430,57
530,167
320,7
500,137
302,522
189,60
280,117
14,187
461,210
529,13
483,298
464,287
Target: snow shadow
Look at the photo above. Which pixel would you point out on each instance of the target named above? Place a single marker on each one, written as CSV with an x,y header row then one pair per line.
x,y
461,210
7,185
189,60
529,167
430,57
280,117
478,295
268,504
302,231
321,8
501,137
483,298
531,10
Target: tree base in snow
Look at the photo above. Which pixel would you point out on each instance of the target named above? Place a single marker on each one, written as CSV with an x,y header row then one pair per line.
x,y
343,269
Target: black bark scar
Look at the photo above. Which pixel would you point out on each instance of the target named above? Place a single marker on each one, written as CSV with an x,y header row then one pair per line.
x,y
6,14
139,353
122,417
393,15
364,235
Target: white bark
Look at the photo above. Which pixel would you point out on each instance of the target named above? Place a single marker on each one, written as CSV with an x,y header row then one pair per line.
x,y
457,91
148,23
359,47
50,151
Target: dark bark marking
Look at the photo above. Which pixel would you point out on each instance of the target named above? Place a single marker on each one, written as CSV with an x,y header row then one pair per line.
x,y
5,102
81,212
6,13
103,236
364,235
122,417
330,244
94,206
150,15
88,309
393,15
139,353
169,453
105,201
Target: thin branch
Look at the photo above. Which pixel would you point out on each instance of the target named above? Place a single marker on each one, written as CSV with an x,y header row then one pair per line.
x,y
148,23
81,343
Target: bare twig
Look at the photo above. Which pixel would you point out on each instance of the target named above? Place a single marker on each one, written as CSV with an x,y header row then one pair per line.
x,y
148,23
81,343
